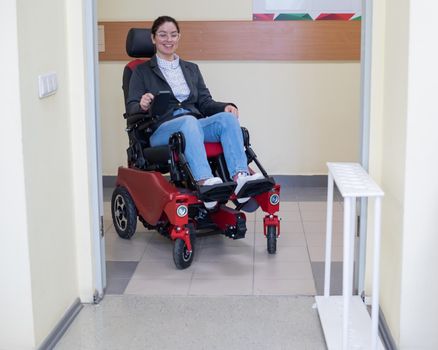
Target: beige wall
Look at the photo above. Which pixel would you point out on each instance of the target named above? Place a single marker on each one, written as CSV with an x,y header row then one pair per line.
x,y
419,306
387,144
305,112
140,10
48,194
47,162
403,149
16,316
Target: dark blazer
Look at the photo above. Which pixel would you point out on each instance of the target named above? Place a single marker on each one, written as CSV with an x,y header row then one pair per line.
x,y
147,77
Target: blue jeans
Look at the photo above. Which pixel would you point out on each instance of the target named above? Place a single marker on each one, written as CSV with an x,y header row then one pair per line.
x,y
222,127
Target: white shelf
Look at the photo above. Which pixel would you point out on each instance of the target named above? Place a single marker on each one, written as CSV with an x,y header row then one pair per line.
x,y
353,181
330,311
344,319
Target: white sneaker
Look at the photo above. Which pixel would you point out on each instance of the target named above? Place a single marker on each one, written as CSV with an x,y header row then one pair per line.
x,y
210,182
242,179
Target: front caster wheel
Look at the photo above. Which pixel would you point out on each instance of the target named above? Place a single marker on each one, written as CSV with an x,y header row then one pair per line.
x,y
181,256
272,239
124,213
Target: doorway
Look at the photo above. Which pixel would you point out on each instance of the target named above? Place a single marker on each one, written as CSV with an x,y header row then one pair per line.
x,y
122,267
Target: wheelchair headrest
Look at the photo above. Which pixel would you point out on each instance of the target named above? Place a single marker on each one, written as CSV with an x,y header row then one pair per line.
x,y
139,43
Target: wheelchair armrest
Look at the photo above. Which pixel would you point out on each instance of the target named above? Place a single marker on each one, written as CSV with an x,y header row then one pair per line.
x,y
139,121
131,119
245,134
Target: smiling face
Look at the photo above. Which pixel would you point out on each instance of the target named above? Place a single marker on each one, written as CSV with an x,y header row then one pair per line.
x,y
166,40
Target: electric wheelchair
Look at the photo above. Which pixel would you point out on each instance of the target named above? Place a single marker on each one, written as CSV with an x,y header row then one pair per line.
x,y
158,188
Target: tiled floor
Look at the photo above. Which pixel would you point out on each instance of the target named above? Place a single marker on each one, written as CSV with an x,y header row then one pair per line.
x,y
222,266
234,296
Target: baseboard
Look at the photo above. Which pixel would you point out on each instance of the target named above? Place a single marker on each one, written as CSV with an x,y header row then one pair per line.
x,y
109,181
385,333
283,180
301,180
56,334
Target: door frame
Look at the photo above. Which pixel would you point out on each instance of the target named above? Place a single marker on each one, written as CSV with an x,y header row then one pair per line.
x,y
99,269
365,116
94,148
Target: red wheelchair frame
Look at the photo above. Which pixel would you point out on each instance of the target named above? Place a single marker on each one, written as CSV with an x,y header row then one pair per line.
x,y
174,205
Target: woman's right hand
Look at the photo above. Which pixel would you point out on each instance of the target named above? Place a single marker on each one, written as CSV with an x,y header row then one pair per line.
x,y
146,101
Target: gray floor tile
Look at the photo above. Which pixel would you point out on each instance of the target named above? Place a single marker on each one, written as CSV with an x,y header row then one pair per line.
x,y
107,194
335,277
288,194
119,273
120,269
311,194
317,252
117,286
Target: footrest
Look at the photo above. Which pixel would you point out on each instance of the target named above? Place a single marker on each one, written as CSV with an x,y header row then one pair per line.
x,y
255,187
219,192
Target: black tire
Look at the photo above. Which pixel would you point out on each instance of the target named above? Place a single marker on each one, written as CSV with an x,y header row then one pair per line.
x,y
181,256
272,239
124,213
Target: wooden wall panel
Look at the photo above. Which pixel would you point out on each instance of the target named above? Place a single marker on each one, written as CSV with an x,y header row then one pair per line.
x,y
250,40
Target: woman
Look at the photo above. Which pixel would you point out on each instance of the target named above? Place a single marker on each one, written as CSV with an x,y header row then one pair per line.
x,y
190,100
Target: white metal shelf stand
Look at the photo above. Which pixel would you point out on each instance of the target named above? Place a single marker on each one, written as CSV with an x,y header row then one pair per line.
x,y
344,319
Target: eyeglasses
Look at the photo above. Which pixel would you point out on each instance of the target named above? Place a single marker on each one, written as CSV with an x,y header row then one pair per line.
x,y
171,36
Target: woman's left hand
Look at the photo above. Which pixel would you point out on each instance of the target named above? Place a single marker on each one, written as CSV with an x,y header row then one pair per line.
x,y
232,109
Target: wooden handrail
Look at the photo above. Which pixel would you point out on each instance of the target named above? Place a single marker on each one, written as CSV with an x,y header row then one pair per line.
x,y
250,40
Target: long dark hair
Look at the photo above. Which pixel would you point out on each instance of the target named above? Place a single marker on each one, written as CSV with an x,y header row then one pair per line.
x,y
160,21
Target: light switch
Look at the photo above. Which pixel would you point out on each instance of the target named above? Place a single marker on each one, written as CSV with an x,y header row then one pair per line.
x,y
47,84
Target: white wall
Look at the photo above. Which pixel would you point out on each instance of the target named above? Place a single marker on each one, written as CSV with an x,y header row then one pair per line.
x,y
312,107
403,149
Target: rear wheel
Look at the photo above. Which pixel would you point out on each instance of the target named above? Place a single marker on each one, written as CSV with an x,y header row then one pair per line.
x,y
272,239
124,213
181,255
